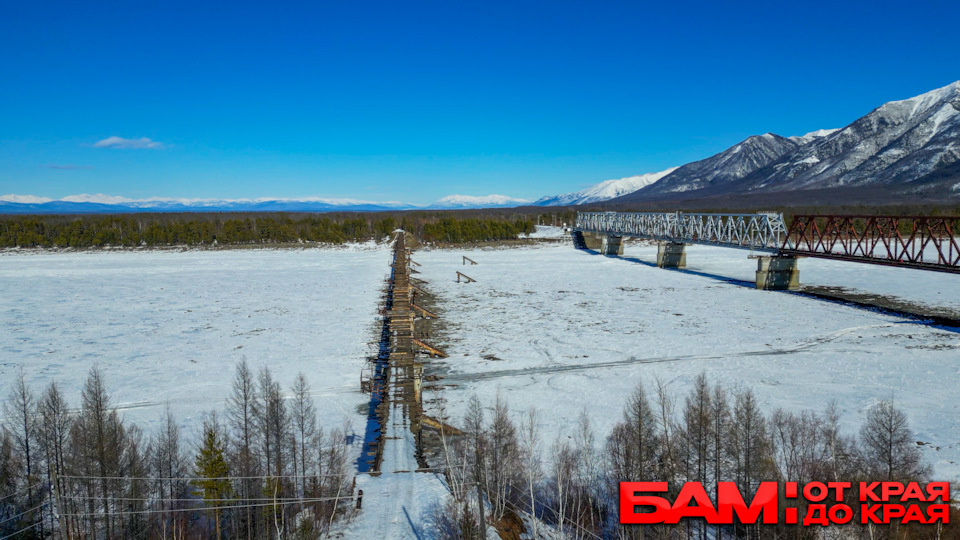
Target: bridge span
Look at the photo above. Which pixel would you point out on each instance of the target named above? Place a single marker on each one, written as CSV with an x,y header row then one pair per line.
x,y
920,242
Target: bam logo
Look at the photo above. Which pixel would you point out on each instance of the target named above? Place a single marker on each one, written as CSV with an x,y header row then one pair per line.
x,y
729,502
881,502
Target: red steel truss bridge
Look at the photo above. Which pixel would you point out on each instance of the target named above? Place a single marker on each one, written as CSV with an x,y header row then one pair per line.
x,y
922,242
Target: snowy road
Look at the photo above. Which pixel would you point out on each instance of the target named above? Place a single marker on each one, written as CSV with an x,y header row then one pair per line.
x,y
397,502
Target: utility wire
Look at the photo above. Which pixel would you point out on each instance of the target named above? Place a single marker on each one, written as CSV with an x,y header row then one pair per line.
x,y
195,499
202,478
39,506
25,529
574,523
129,512
262,477
21,490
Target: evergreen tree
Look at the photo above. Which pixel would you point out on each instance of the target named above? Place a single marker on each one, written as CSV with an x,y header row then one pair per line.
x,y
211,465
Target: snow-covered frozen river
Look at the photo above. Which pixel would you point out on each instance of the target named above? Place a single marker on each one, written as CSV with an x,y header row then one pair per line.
x,y
565,330
549,326
169,327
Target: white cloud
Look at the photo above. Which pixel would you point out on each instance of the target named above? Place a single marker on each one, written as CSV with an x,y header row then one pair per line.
x,y
120,142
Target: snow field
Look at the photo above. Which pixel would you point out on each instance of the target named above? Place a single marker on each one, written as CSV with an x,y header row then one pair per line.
x,y
566,330
169,327
547,326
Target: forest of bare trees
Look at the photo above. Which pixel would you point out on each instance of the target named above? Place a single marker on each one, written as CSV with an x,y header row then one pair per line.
x,y
710,435
261,468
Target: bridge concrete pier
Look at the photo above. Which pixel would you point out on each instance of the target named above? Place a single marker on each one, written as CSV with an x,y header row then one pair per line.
x,y
671,255
611,245
579,242
592,241
586,240
777,273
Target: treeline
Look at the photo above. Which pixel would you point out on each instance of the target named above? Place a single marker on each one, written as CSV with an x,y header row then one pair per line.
x,y
455,231
500,468
260,469
136,230
205,229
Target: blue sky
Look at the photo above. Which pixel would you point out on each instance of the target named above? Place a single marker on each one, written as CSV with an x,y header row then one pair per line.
x,y
413,101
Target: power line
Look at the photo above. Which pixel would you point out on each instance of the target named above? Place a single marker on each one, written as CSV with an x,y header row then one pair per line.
x,y
202,478
21,490
39,506
25,529
130,512
464,486
194,499
574,523
261,477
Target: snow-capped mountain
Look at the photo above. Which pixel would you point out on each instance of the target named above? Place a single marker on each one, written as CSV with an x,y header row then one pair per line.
x,y
910,145
110,204
903,147
451,202
606,190
812,136
732,164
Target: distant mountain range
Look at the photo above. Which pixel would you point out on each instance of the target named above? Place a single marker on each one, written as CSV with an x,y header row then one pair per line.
x,y
101,204
902,150
603,191
731,164
467,201
106,204
907,149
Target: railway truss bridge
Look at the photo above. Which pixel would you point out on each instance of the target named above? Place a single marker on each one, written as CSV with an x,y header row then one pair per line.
x,y
920,242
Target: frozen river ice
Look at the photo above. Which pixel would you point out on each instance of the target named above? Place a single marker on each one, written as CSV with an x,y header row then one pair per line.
x,y
169,327
549,326
566,330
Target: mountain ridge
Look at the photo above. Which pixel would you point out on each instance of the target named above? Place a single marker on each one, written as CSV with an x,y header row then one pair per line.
x,y
105,204
608,189
909,146
470,201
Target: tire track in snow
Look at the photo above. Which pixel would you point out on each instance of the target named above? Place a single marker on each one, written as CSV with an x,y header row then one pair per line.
x,y
798,348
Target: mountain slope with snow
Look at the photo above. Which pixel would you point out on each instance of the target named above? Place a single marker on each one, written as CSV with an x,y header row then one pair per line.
x,y
901,144
452,202
730,165
909,148
109,204
606,190
813,135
